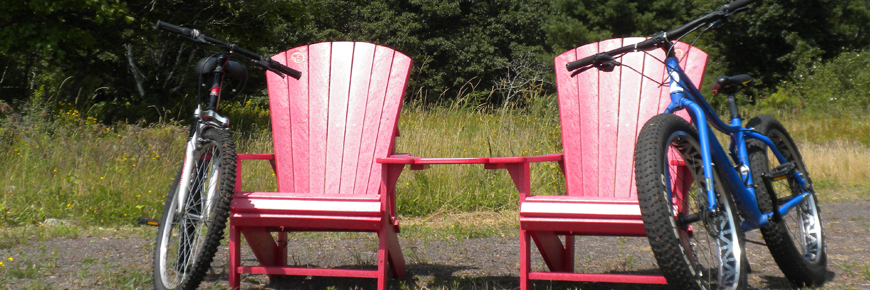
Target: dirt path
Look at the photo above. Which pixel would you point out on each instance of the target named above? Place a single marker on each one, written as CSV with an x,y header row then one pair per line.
x,y
114,262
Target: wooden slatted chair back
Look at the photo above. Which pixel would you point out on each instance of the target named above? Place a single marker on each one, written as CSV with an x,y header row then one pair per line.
x,y
603,112
330,125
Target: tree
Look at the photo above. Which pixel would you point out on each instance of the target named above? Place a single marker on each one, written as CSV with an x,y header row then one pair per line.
x,y
451,42
57,36
577,22
106,55
776,38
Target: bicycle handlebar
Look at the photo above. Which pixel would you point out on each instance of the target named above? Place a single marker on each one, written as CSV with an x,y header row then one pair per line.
x,y
197,36
737,4
653,42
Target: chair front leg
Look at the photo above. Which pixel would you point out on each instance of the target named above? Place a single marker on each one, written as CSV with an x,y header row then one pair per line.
x,y
525,260
235,259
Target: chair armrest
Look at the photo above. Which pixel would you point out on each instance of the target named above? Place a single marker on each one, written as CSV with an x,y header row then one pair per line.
x,y
270,156
519,170
502,162
419,163
399,158
239,157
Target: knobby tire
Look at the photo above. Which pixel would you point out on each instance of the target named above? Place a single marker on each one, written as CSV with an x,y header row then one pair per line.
x,y
797,243
177,237
689,255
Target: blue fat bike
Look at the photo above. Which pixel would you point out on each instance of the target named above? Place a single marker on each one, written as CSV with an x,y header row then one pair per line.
x,y
695,214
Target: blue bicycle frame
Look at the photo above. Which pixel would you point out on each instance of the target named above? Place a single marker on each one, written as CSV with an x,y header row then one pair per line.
x,y
741,183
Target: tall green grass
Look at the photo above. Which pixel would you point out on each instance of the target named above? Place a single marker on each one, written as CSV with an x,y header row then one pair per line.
x,y
56,162
59,164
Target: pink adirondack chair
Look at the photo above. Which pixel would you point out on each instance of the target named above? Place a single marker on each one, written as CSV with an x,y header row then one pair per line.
x,y
328,128
601,116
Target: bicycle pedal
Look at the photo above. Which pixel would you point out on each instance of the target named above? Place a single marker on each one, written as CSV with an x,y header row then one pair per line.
x,y
147,221
780,172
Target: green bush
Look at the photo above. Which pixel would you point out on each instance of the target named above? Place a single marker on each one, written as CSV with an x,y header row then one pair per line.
x,y
839,86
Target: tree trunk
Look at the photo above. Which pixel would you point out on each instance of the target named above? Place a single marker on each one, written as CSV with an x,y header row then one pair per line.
x,y
137,75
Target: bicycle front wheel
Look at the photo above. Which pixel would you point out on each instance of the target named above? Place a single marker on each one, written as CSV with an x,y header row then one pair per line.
x,y
696,248
188,239
797,243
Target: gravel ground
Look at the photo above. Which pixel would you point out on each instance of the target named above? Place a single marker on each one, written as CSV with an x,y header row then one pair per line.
x,y
116,262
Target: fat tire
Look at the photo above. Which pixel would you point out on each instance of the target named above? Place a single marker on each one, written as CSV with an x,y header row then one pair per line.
x,y
657,211
785,252
215,230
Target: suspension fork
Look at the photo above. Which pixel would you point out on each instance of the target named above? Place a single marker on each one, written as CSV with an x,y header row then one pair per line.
x,y
188,164
706,156
679,100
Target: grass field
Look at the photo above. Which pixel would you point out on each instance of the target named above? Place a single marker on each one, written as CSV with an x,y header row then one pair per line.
x,y
58,167
65,166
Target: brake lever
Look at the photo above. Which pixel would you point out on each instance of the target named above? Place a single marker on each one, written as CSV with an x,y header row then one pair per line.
x,y
725,17
717,24
604,62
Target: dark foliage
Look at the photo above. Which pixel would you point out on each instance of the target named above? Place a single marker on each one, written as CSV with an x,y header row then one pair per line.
x,y
106,58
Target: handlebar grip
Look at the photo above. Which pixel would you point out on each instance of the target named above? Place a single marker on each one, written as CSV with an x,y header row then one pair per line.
x,y
602,57
580,63
284,69
292,72
739,3
172,28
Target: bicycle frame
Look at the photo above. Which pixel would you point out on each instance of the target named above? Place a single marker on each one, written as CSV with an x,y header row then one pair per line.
x,y
741,184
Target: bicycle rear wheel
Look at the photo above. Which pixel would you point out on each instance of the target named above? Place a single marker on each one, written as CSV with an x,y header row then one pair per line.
x,y
797,244
694,247
187,241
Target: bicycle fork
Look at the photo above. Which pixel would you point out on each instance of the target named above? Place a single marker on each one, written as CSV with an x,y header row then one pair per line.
x,y
190,153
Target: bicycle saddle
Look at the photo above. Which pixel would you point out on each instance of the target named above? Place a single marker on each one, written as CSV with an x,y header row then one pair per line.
x,y
236,70
732,84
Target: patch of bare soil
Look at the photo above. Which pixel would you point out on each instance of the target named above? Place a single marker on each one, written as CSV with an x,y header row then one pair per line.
x,y
479,263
